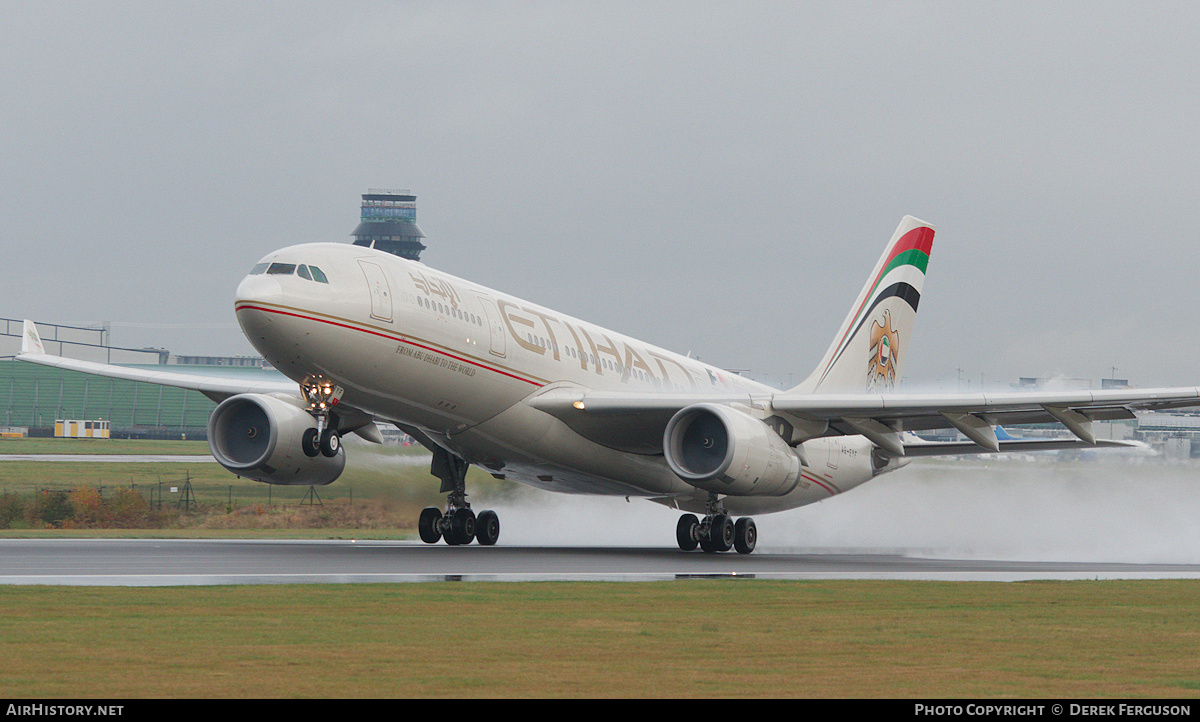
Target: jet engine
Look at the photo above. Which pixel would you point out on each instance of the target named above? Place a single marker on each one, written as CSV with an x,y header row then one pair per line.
x,y
720,449
260,437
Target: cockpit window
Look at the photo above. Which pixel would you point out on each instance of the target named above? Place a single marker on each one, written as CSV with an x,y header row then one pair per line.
x,y
308,273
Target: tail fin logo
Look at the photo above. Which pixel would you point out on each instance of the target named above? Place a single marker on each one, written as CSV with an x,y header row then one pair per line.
x,y
869,348
885,349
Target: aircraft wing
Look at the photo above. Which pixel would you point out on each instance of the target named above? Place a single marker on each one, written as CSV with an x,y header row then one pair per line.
x,y
217,388
636,422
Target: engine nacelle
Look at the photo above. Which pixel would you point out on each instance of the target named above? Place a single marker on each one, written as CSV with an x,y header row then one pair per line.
x,y
720,449
259,437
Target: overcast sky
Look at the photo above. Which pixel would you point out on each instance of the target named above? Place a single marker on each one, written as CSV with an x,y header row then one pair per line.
x,y
713,177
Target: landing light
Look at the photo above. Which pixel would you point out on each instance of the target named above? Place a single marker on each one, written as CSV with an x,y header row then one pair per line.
x,y
578,405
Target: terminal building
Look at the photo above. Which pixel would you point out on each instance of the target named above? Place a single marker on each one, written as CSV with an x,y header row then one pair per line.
x,y
35,399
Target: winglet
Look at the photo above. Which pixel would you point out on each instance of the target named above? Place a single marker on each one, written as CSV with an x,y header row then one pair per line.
x,y
31,342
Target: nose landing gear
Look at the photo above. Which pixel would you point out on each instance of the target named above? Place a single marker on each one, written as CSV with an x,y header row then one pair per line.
x,y
322,395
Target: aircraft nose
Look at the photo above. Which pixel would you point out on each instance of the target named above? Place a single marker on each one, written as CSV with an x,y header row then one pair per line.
x,y
259,288
256,296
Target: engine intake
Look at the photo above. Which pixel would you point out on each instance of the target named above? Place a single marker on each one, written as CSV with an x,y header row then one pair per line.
x,y
259,437
720,449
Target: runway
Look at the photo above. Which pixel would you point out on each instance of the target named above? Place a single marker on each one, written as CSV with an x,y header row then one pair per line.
x,y
173,562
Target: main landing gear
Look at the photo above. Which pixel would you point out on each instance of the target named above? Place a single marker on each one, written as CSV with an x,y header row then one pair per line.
x,y
458,525
718,532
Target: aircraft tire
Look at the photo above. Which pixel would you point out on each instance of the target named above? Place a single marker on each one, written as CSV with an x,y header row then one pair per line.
x,y
721,534
462,527
745,535
428,525
487,528
686,532
309,443
330,443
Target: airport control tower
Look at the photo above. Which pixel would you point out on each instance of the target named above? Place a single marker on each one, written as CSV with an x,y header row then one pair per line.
x,y
389,223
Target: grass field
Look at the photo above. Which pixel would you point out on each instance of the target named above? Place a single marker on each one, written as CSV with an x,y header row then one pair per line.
x,y
749,638
371,470
382,487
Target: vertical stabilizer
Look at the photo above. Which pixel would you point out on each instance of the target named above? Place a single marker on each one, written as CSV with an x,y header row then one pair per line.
x,y
868,352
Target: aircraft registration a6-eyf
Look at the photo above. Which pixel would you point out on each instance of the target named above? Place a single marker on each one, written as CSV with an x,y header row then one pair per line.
x,y
536,396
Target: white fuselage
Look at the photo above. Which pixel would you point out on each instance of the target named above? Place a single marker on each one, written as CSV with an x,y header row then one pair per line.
x,y
457,360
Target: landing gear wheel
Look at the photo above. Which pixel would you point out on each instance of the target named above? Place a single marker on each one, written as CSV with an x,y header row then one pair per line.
x,y
330,443
687,532
309,444
720,535
430,525
745,535
462,527
487,528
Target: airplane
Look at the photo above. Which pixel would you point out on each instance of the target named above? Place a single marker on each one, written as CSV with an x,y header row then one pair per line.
x,y
529,394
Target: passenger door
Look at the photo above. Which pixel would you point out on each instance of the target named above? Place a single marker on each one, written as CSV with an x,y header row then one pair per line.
x,y
381,293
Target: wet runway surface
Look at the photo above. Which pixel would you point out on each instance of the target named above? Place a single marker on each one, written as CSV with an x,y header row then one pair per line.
x,y
165,562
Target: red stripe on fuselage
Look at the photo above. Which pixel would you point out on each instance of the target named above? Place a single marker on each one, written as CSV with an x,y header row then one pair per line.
x,y
818,482
391,337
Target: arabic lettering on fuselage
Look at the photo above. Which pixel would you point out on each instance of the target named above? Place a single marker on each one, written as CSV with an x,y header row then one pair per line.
x,y
437,287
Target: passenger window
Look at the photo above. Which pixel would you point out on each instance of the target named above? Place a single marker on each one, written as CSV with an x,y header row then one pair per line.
x,y
318,275
302,272
281,269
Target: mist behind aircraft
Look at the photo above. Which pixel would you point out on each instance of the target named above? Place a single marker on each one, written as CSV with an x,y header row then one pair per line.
x,y
1018,510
